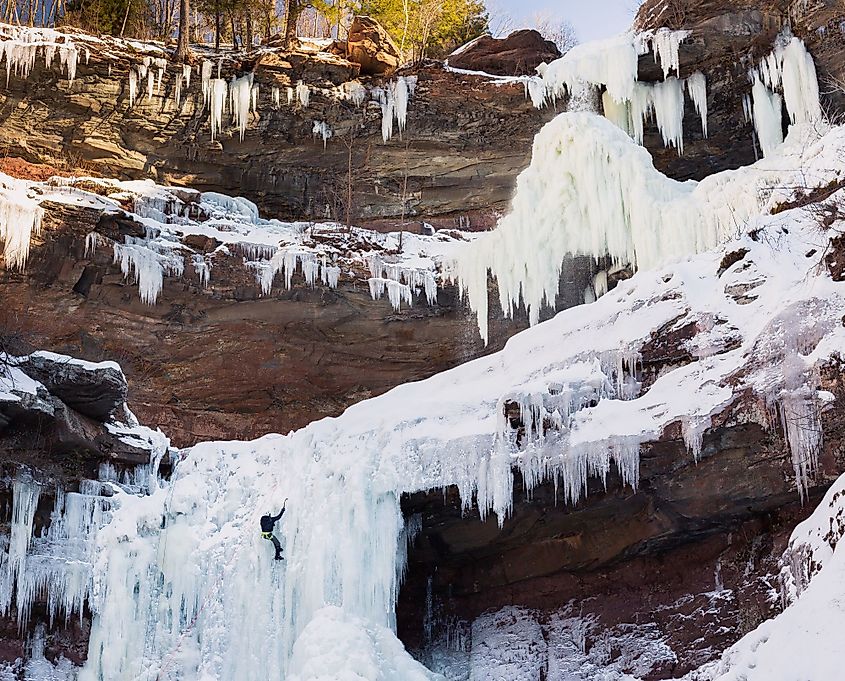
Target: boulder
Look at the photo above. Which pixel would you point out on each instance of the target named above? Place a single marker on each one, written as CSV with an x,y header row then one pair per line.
x,y
93,390
372,47
517,55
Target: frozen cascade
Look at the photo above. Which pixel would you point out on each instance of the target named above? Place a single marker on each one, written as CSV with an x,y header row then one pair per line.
x,y
182,577
146,266
240,91
788,69
20,219
562,199
563,202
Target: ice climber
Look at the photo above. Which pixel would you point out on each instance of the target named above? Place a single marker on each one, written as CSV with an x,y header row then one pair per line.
x,y
268,522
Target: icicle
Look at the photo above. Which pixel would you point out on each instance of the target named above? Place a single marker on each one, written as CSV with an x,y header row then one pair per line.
x,y
322,130
150,83
666,46
400,98
697,85
790,69
354,92
767,117
205,78
133,86
202,268
20,220
303,94
161,65
669,112
240,91
146,267
277,97
216,103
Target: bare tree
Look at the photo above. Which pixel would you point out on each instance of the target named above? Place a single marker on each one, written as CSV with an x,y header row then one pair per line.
x,y
560,31
500,21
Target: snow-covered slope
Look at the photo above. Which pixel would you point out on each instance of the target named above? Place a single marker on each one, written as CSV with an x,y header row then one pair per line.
x,y
806,640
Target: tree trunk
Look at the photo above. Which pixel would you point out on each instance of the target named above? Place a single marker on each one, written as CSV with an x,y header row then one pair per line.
x,y
295,8
250,38
234,31
183,49
125,18
217,30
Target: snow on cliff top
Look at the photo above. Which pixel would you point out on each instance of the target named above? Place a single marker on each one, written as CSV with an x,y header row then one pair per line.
x,y
402,266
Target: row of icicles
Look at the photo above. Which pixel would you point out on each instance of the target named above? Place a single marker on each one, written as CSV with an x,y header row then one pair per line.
x,y
239,96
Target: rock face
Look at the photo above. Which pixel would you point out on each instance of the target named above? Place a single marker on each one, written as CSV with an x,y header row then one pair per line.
x,y
94,391
372,47
726,40
225,361
688,561
454,165
517,55
57,415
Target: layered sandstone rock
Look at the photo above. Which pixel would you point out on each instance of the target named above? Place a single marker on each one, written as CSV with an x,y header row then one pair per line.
x,y
517,55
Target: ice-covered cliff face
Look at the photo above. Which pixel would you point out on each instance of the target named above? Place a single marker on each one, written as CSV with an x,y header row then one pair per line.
x,y
184,587
588,191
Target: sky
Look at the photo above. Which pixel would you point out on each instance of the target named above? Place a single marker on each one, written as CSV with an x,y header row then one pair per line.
x,y
592,18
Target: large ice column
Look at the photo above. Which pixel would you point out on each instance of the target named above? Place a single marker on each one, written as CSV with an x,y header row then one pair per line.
x,y
590,190
767,114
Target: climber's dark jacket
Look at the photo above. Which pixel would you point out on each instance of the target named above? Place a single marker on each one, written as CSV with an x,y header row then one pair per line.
x,y
269,521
